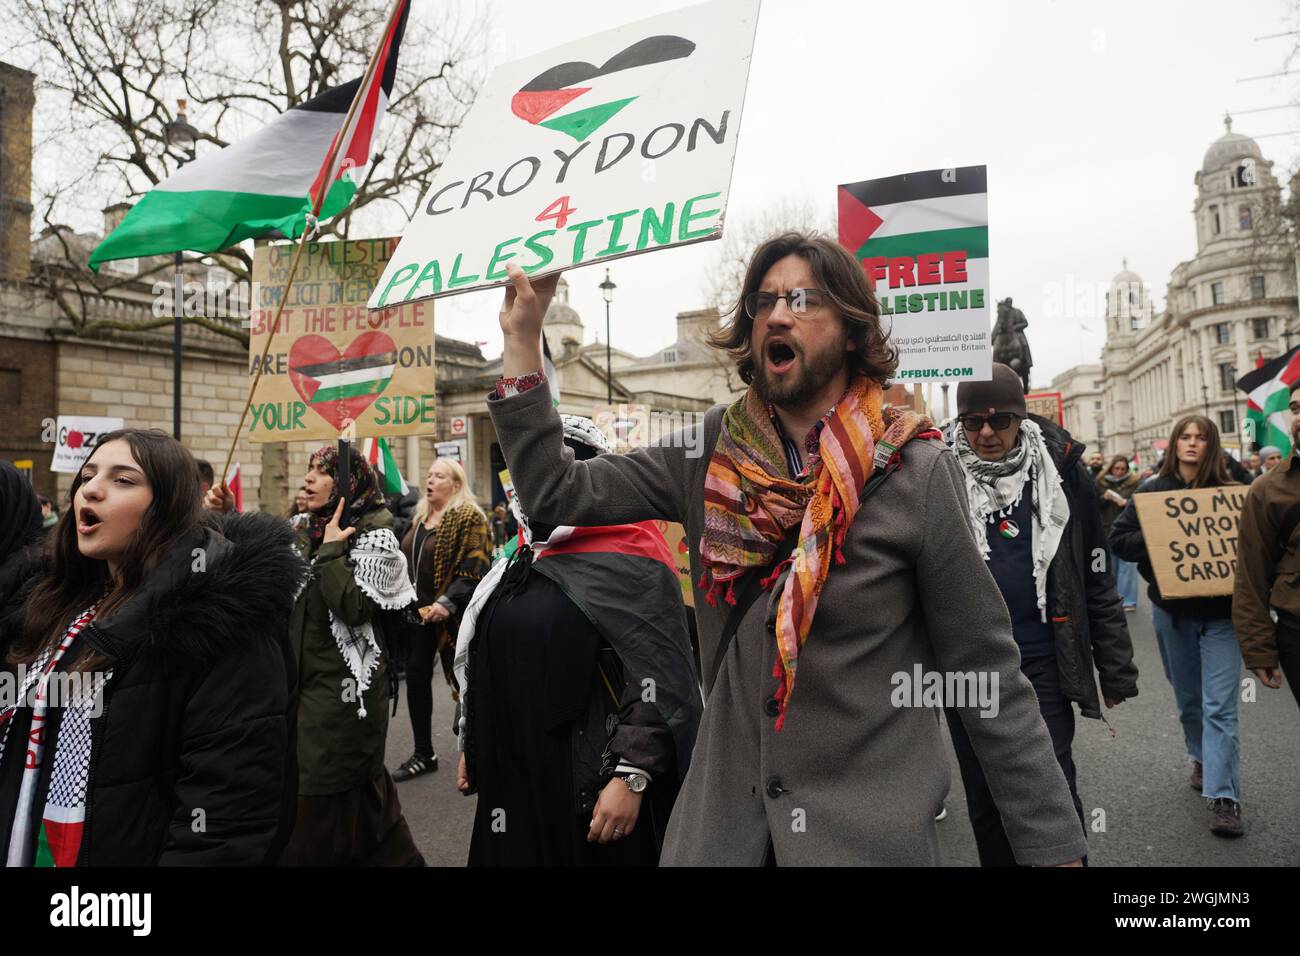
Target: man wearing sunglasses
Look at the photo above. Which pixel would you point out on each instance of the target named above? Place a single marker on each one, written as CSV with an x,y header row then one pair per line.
x,y
827,538
1033,511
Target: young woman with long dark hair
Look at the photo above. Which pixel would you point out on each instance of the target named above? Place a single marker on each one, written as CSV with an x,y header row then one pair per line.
x,y
156,722
1198,644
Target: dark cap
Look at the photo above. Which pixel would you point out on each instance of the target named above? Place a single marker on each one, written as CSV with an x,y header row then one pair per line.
x,y
1003,394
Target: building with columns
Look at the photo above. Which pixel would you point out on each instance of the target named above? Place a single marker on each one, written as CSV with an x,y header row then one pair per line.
x,y
1231,304
1082,404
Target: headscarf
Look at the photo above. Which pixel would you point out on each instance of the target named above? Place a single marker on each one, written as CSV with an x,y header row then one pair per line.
x,y
364,493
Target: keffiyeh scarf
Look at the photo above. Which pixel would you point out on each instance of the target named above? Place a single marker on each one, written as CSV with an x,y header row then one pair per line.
x,y
750,505
995,487
379,568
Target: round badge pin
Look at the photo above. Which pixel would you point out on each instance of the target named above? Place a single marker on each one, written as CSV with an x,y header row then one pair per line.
x,y
1008,529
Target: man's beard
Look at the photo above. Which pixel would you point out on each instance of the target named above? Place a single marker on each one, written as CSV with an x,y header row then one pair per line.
x,y
819,369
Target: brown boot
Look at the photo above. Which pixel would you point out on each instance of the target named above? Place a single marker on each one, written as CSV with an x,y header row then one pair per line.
x,y
1227,818
1197,779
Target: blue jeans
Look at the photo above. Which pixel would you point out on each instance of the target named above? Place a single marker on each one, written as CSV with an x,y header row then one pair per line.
x,y
1126,582
1203,663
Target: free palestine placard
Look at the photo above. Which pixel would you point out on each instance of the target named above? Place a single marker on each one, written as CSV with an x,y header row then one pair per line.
x,y
610,146
923,240
334,365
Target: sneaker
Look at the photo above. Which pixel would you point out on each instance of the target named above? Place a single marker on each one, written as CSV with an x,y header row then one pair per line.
x,y
416,766
1130,608
1197,779
1227,818
943,812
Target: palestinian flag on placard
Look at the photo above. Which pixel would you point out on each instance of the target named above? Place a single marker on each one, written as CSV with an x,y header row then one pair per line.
x,y
936,211
578,98
380,457
266,184
1268,395
624,579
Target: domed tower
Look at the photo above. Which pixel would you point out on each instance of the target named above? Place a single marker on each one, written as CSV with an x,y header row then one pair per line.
x,y
1128,303
563,326
1234,187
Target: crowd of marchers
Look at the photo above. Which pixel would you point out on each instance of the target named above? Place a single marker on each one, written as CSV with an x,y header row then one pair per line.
x,y
243,668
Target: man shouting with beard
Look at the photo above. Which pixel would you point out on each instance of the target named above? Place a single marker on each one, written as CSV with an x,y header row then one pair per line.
x,y
835,566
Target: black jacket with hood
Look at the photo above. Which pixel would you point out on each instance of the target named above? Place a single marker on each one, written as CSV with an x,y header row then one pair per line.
x,y
1088,624
192,756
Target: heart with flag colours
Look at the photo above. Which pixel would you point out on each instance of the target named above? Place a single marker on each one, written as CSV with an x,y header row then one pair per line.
x,y
339,387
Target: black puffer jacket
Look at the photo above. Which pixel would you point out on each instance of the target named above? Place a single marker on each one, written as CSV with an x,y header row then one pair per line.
x,y
1128,543
192,758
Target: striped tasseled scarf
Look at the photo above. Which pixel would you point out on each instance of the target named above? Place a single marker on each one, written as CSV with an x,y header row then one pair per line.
x,y
750,504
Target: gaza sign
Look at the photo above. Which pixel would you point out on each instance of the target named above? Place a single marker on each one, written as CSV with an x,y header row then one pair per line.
x,y
617,144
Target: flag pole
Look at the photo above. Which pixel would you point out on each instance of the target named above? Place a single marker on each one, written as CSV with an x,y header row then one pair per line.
x,y
316,203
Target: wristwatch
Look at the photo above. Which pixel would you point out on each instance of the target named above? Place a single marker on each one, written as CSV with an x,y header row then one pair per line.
x,y
636,782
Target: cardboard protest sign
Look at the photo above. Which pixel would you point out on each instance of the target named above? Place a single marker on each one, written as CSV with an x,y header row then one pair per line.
x,y
1191,538
332,363
76,437
614,145
1047,405
923,240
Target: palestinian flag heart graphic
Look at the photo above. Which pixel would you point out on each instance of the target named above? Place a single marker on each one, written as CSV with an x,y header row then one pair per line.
x,y
544,99
341,387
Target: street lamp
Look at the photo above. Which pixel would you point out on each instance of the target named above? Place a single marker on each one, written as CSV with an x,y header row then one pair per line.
x,y
1205,395
1101,438
182,136
607,292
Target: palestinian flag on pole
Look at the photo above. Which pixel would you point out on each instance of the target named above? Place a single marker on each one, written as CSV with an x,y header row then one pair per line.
x,y
236,485
267,184
380,457
1268,395
905,216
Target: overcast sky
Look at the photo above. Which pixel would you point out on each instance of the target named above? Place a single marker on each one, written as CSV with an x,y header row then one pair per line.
x,y
1092,118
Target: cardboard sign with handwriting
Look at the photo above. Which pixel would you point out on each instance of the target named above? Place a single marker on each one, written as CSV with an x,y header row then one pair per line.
x,y
1191,538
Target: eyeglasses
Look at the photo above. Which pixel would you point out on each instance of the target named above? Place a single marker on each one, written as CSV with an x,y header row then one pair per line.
x,y
802,302
998,421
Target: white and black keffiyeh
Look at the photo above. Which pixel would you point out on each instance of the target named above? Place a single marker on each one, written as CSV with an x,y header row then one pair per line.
x,y
379,568
996,487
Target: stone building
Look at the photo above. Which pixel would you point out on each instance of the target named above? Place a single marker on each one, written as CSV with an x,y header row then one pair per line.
x,y
1081,405
1231,304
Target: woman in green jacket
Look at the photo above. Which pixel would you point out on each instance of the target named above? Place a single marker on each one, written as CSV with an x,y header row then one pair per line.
x,y
348,812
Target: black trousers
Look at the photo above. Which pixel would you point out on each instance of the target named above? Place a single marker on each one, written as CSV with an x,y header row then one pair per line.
x,y
1058,714
421,660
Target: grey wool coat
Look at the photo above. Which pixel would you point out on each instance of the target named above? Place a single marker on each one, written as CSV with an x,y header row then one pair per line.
x,y
851,778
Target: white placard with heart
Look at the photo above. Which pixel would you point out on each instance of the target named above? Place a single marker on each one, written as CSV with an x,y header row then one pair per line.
x,y
611,146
